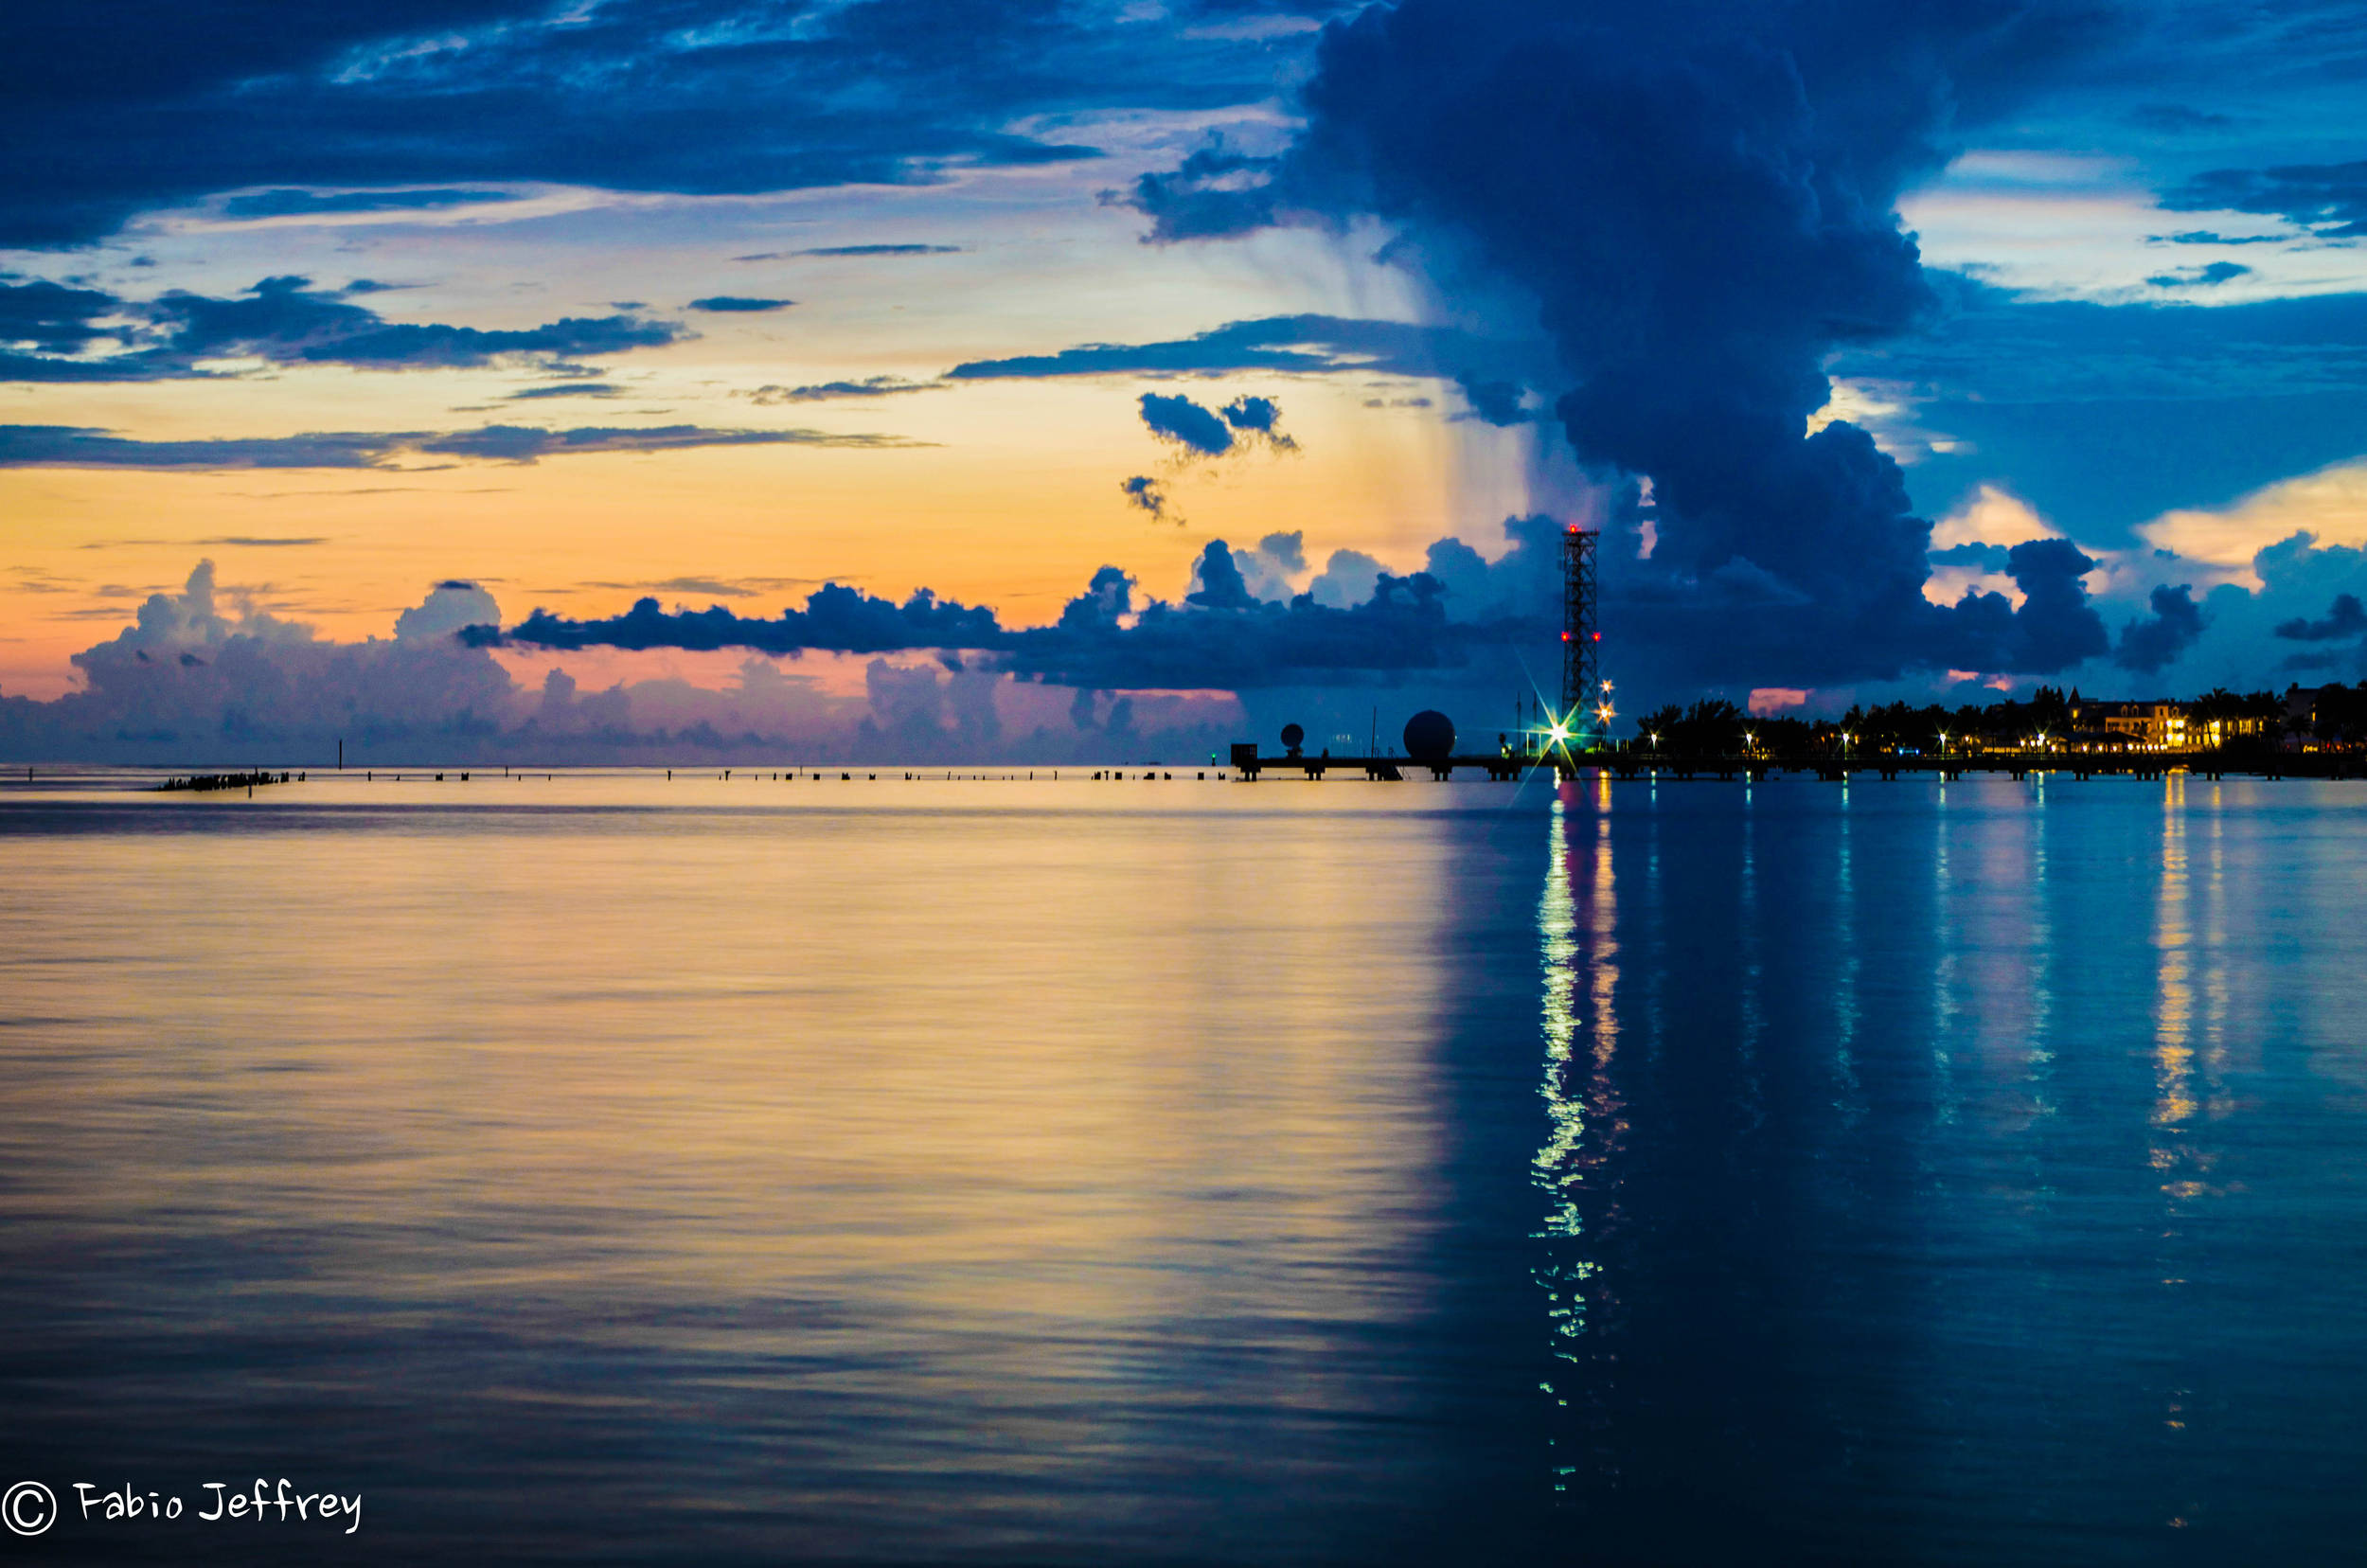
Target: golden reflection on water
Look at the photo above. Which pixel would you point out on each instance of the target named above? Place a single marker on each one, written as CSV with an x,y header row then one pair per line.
x,y
1020,1096
1577,922
2173,1006
2192,990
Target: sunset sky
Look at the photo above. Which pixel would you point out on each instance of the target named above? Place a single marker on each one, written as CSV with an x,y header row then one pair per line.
x,y
714,303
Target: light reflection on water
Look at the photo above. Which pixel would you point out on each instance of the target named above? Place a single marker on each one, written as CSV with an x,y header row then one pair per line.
x,y
756,1170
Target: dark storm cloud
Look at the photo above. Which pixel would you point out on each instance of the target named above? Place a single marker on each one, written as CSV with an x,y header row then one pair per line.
x,y
1186,423
631,95
2149,645
1700,198
743,303
1496,402
71,446
306,204
2345,620
282,320
2330,199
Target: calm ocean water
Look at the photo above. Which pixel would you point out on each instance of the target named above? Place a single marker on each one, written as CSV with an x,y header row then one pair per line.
x,y
601,1168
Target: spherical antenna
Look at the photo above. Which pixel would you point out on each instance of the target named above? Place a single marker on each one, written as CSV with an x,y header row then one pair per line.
x,y
1429,736
1293,736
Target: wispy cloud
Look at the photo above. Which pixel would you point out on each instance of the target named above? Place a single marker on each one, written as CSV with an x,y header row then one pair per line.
x,y
295,204
78,447
872,386
51,333
739,304
880,250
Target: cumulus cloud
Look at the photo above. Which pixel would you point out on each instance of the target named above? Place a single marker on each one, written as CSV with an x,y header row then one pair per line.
x,y
2150,644
2344,621
2329,506
1258,420
204,677
1199,431
1570,154
196,681
1269,567
448,608
1348,578
1221,636
1185,425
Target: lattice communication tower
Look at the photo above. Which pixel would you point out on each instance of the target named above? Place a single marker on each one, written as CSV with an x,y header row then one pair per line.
x,y
1581,642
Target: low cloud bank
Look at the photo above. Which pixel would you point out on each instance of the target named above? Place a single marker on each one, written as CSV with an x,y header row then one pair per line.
x,y
1221,636
1262,634
204,676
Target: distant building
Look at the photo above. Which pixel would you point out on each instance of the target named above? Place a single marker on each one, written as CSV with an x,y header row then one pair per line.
x,y
2301,705
2219,730
2160,723
2156,722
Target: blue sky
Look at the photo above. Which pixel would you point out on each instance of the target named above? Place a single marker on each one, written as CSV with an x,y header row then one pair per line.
x,y
1819,311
